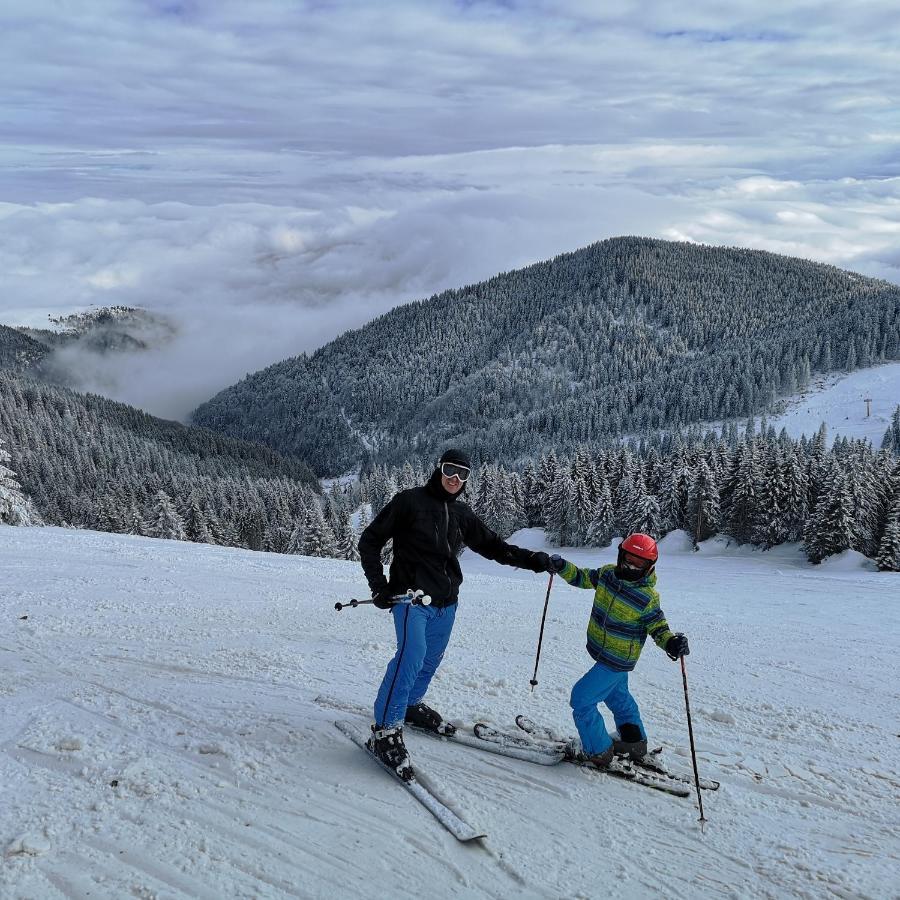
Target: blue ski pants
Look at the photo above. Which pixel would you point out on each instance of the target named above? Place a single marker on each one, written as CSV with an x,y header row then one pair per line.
x,y
422,636
602,685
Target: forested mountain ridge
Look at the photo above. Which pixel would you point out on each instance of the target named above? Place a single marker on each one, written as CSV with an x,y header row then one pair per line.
x,y
624,336
18,351
88,461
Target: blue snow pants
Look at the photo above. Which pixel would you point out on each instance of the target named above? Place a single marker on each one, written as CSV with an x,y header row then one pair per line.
x,y
422,636
602,685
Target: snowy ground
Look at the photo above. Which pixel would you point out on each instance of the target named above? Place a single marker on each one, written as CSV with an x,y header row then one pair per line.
x,y
167,710
839,401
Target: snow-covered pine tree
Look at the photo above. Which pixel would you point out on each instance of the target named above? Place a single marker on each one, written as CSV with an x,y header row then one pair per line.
x,y
15,508
770,523
558,508
166,523
318,539
297,539
346,540
515,493
796,493
702,512
830,529
891,439
888,557
196,527
739,497
532,492
584,505
600,528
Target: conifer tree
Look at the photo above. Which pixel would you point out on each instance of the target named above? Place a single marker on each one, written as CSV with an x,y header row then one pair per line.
x,y
600,528
196,528
891,441
15,509
831,526
166,522
702,512
318,539
346,540
888,558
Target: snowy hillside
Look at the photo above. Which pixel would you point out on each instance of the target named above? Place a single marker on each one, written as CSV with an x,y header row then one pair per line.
x,y
167,710
839,402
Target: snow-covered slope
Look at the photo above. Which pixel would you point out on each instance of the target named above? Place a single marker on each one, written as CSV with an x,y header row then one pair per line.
x,y
167,709
839,402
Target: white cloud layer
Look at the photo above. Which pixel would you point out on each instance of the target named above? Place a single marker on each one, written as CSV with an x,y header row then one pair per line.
x,y
270,174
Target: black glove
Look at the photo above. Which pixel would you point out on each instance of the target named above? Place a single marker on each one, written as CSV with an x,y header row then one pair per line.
x,y
383,599
556,564
677,646
539,562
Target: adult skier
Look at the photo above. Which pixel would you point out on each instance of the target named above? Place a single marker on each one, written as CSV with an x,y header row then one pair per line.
x,y
429,526
626,609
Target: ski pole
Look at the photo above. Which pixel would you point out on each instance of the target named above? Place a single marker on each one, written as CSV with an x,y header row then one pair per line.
x,y
687,706
541,636
416,598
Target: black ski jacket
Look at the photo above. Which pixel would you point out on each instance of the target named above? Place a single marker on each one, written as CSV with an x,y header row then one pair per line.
x,y
429,527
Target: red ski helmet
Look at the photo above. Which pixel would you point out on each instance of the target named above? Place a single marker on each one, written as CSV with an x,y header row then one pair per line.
x,y
637,557
641,545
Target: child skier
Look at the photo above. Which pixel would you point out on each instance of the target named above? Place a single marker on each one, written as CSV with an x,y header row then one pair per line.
x,y
626,609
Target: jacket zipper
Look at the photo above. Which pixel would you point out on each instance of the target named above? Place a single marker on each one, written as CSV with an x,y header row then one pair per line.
x,y
447,545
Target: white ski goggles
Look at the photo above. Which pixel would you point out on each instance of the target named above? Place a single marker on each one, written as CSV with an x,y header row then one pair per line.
x,y
452,470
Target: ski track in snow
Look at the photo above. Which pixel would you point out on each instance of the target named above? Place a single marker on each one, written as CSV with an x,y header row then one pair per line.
x,y
167,731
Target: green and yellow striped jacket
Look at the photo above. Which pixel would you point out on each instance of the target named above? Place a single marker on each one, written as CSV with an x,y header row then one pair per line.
x,y
624,613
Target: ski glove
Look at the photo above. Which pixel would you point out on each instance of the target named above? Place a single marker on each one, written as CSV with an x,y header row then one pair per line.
x,y
539,562
677,646
556,564
383,599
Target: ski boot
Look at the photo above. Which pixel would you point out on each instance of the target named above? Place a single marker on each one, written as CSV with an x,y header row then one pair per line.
x,y
387,745
425,717
630,742
575,752
602,760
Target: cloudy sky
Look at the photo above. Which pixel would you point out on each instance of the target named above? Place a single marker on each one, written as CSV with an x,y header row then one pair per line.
x,y
268,174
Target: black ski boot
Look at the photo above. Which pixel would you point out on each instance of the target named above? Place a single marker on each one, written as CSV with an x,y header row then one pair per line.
x,y
630,742
387,744
602,760
425,717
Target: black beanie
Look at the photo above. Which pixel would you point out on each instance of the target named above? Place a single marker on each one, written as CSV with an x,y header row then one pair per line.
x,y
456,456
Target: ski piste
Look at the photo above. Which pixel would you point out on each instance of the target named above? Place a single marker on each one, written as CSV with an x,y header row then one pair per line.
x,y
459,828
648,763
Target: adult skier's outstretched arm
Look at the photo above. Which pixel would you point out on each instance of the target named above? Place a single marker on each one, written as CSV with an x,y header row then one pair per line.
x,y
490,545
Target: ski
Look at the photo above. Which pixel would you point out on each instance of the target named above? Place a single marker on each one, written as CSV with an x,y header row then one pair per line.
x,y
493,741
649,763
556,751
459,828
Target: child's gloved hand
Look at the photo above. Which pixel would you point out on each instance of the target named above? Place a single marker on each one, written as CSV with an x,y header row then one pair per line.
x,y
677,646
556,564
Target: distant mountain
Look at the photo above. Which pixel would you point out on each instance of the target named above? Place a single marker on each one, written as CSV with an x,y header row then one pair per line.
x,y
625,335
18,351
57,354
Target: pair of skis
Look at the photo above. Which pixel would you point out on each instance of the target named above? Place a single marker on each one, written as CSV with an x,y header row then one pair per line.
x,y
534,745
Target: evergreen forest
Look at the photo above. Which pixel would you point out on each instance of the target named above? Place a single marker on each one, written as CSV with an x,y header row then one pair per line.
x,y
628,336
